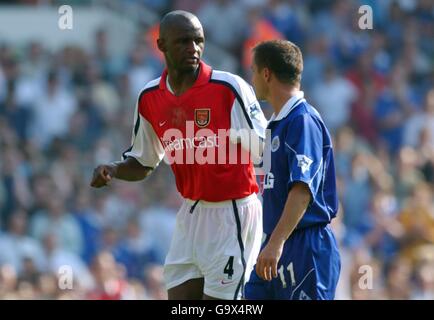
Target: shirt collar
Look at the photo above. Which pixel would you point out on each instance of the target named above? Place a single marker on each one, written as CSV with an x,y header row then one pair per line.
x,y
288,106
204,76
168,87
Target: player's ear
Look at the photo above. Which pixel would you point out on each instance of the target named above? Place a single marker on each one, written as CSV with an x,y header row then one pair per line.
x,y
266,73
161,45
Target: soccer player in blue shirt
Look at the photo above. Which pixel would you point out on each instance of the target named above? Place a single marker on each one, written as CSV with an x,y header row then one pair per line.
x,y
299,258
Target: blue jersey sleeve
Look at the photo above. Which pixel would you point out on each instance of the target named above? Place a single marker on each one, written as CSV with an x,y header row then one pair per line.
x,y
304,149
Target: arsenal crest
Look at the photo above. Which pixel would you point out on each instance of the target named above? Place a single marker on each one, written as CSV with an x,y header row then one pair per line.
x,y
202,117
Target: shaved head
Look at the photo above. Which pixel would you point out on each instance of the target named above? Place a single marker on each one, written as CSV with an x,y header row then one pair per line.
x,y
181,40
177,19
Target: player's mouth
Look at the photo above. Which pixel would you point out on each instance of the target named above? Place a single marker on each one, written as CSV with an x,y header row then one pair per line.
x,y
192,60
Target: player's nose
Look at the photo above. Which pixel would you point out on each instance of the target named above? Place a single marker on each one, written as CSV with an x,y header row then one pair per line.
x,y
193,48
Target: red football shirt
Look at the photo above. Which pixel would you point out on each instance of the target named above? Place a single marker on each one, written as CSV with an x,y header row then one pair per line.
x,y
206,134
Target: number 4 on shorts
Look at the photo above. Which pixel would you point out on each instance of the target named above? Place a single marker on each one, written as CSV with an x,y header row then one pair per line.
x,y
229,268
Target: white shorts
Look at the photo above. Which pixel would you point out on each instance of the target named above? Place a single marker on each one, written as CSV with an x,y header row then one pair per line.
x,y
218,241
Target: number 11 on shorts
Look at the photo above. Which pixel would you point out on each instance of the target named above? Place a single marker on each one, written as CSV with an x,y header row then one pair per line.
x,y
290,268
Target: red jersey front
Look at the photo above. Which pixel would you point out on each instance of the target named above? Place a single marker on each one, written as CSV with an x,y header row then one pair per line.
x,y
201,134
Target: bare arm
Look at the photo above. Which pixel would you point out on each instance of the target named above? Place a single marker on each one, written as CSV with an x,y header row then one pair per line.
x,y
129,170
295,207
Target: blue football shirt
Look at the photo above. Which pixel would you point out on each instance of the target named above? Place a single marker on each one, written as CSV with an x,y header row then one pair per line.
x,y
301,151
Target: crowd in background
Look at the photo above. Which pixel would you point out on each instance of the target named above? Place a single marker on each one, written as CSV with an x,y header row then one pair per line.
x,y
64,112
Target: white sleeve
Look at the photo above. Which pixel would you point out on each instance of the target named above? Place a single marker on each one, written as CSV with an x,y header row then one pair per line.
x,y
248,122
145,145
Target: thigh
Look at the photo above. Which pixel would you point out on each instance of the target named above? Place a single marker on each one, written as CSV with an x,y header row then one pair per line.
x,y
178,274
225,278
189,290
180,266
309,266
257,289
328,260
296,279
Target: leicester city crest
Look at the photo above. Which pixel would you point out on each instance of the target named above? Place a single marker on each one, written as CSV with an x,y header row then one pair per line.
x,y
275,144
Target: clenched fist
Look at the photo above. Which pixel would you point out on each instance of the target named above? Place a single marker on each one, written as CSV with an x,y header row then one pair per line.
x,y
102,175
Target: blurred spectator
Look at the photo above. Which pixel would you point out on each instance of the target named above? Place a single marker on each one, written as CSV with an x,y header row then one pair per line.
x,y
187,5
417,218
16,247
407,173
42,187
141,70
15,183
228,34
364,71
421,120
26,291
259,29
8,282
155,283
31,74
287,17
357,192
110,243
140,250
91,220
29,273
102,59
52,112
385,231
16,115
398,281
393,108
317,50
56,257
158,222
109,279
47,286
333,97
54,219
425,281
362,114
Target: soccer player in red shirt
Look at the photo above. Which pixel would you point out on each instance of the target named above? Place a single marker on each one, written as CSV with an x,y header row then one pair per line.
x,y
204,122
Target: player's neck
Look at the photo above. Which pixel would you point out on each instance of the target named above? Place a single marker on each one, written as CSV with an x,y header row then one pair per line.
x,y
181,81
280,95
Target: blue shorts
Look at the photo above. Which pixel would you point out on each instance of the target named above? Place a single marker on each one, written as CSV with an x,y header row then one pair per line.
x,y
308,269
